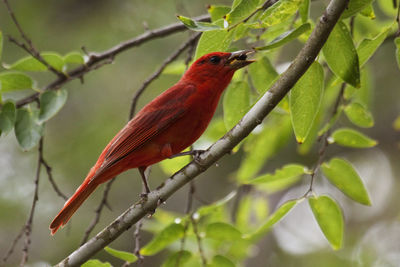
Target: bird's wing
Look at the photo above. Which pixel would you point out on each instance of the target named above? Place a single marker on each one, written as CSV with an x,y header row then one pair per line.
x,y
139,132
147,125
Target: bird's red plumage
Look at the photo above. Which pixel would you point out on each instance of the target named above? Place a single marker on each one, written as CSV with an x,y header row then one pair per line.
x,y
167,125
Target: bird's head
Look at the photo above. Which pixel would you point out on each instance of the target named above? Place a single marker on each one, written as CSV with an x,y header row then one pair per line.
x,y
218,66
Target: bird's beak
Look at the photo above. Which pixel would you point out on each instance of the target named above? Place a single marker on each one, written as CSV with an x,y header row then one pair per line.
x,y
238,59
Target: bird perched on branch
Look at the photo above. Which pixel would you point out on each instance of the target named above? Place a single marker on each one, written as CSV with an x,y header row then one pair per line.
x,y
163,128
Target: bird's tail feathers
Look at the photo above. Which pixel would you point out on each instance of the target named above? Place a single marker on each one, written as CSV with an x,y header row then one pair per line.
x,y
72,204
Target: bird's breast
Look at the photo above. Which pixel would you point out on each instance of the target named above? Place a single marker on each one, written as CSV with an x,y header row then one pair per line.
x,y
185,131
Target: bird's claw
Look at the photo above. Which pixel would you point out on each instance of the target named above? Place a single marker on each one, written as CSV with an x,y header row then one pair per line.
x,y
196,154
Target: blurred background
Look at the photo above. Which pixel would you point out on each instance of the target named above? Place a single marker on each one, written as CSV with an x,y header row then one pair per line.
x,y
97,109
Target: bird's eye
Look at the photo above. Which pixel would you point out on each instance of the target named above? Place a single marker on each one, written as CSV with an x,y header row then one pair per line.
x,y
215,59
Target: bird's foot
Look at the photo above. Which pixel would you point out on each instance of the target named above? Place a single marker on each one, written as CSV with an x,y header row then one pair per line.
x,y
197,153
194,153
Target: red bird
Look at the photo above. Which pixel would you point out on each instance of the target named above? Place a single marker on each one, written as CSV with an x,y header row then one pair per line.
x,y
164,127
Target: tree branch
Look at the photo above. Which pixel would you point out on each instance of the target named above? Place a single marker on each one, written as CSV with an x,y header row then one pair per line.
x,y
96,60
223,146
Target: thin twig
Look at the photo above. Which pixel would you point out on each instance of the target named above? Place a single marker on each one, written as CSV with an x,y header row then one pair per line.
x,y
12,247
51,180
28,47
27,228
29,223
157,73
96,58
188,208
223,146
242,191
190,54
137,238
325,137
325,141
352,19
98,211
199,243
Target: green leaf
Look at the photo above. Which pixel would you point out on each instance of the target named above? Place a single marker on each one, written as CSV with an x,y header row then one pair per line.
x,y
279,12
352,138
13,81
1,44
32,64
27,131
236,3
367,47
304,10
198,25
275,134
216,40
286,37
50,103
221,261
330,219
363,94
387,8
236,103
74,57
308,144
122,255
218,12
368,12
354,7
168,235
397,43
359,115
278,185
286,172
223,231
273,32
170,166
342,175
305,99
204,210
344,64
262,74
178,258
241,11
251,210
272,219
96,263
7,117
261,208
